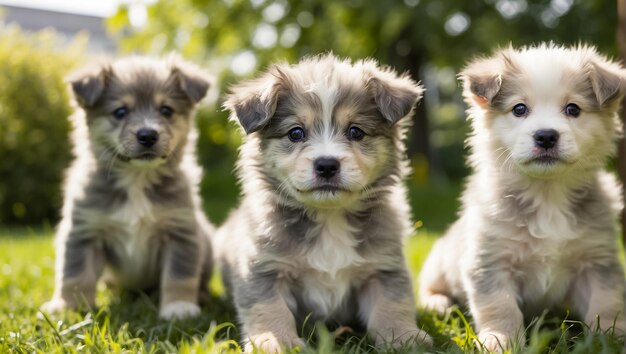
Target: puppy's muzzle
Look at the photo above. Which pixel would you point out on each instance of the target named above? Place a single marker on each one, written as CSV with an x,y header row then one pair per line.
x,y
546,138
147,137
326,167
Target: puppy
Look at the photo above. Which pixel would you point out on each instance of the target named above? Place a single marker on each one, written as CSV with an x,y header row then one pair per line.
x,y
131,197
319,230
537,227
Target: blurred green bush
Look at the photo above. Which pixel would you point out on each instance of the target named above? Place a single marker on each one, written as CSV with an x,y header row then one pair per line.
x,y
34,106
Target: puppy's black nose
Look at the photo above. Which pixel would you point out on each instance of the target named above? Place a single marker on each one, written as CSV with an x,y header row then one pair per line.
x,y
147,137
326,167
546,138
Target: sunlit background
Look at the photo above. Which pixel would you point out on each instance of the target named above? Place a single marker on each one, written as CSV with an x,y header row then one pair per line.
x,y
42,40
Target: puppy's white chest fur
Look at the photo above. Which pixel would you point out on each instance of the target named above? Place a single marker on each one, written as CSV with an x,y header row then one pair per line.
x,y
543,270
550,215
544,267
138,213
332,264
335,246
136,221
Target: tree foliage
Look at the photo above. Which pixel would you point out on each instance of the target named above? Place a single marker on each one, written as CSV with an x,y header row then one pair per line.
x,y
429,38
444,32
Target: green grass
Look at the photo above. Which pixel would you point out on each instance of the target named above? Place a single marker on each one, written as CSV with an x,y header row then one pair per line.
x,y
128,323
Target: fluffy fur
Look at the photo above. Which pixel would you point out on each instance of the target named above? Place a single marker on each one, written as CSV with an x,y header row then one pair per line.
x,y
302,244
133,207
537,226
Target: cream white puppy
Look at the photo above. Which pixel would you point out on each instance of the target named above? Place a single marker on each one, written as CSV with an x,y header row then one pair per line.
x,y
537,225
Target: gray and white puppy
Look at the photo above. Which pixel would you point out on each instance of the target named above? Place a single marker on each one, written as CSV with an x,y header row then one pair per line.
x,y
537,226
131,195
319,230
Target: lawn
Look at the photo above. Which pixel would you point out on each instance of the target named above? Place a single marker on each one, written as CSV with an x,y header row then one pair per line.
x,y
128,323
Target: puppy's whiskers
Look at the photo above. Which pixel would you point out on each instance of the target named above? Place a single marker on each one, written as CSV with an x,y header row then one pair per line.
x,y
508,163
504,152
371,196
282,189
107,157
103,152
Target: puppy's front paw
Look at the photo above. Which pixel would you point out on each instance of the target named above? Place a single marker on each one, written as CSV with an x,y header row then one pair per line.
x,y
268,343
56,305
436,302
179,310
407,337
492,341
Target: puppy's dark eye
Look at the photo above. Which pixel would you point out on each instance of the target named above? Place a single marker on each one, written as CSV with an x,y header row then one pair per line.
x,y
355,133
120,112
166,111
572,110
520,110
296,134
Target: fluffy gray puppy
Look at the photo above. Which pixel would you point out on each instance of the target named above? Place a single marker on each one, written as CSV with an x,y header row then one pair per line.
x,y
537,226
131,202
319,230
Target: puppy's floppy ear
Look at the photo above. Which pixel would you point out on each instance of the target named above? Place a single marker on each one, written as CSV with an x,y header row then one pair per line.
x,y
482,81
394,95
89,83
192,80
608,80
254,102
